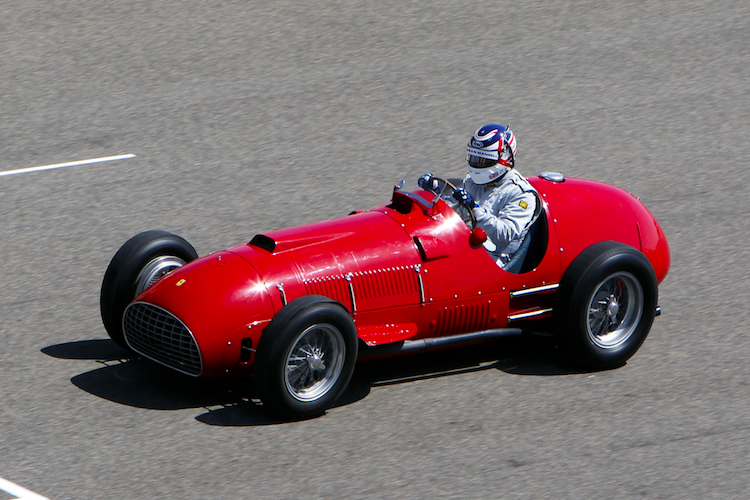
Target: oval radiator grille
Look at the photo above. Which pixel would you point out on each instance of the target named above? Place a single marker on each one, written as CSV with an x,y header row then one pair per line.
x,y
161,336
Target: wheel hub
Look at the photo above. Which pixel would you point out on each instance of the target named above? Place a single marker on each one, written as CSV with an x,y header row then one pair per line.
x,y
315,361
613,307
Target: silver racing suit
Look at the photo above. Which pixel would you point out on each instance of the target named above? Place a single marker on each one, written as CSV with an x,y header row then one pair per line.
x,y
506,210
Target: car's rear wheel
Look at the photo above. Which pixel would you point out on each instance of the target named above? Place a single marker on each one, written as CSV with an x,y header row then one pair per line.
x,y
142,261
606,304
306,357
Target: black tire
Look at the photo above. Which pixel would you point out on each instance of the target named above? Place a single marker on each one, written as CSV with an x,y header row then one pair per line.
x,y
605,305
321,330
141,261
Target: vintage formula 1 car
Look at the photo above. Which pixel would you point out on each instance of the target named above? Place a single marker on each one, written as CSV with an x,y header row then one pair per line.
x,y
295,308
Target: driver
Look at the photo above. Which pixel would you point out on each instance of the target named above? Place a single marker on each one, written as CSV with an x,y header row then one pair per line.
x,y
503,201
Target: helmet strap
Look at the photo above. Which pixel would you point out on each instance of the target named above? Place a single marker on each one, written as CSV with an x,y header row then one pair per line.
x,y
510,162
512,159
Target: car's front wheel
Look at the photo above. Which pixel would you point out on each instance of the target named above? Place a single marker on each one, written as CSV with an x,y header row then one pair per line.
x,y
306,357
139,263
606,304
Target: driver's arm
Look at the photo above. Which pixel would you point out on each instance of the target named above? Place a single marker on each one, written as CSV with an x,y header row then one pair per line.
x,y
506,217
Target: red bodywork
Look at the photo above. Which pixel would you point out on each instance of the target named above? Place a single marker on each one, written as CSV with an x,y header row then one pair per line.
x,y
405,271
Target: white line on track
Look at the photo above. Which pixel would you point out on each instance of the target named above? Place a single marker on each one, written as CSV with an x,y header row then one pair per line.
x,y
63,165
19,492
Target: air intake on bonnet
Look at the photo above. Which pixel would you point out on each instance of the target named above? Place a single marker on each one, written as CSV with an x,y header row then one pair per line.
x,y
160,336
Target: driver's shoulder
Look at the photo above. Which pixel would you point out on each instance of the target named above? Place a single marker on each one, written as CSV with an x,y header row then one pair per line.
x,y
521,183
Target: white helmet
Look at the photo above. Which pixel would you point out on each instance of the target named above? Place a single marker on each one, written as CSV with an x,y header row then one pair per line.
x,y
490,153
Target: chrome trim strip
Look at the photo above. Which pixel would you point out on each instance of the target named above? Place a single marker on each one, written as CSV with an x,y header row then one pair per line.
x,y
532,314
348,278
418,269
538,289
200,354
280,288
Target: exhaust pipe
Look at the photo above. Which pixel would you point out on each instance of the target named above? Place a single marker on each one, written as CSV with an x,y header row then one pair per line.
x,y
408,346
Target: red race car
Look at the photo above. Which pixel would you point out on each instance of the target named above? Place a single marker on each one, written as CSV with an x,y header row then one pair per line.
x,y
295,308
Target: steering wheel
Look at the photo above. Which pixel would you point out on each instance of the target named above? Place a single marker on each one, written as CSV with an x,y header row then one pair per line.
x,y
453,188
478,235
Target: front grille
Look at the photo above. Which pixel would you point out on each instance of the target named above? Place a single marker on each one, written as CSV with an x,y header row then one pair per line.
x,y
159,335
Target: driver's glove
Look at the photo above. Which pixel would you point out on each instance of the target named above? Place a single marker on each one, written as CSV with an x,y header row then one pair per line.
x,y
428,183
464,198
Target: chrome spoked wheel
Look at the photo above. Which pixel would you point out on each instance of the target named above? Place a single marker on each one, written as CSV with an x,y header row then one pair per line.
x,y
315,362
156,270
614,311
305,357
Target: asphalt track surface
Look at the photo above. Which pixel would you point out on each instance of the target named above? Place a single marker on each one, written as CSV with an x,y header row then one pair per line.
x,y
251,116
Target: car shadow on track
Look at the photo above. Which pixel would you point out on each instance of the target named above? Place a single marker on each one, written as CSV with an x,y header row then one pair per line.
x,y
134,381
137,382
